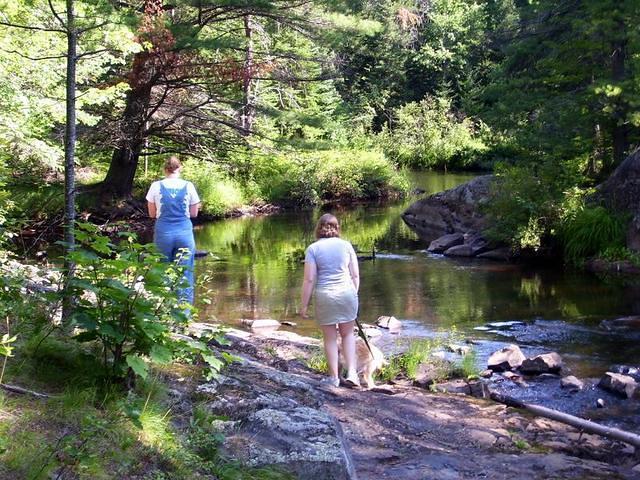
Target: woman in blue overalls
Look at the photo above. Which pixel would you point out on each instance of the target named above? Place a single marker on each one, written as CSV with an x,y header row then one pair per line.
x,y
173,201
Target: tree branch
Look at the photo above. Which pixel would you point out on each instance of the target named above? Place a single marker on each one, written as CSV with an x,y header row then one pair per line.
x,y
27,27
55,14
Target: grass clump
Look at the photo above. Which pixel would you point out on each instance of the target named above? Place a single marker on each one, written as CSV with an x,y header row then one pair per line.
x,y
592,231
317,361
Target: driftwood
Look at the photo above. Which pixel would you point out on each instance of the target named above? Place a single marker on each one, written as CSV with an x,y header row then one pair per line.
x,y
580,423
22,391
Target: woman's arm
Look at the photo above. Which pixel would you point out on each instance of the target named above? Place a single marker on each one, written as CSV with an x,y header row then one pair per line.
x,y
308,283
151,207
354,270
193,210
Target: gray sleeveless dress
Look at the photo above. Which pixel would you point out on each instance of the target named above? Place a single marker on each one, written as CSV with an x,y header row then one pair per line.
x,y
335,298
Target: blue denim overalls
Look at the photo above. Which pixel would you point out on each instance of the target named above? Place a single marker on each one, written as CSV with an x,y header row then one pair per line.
x,y
174,231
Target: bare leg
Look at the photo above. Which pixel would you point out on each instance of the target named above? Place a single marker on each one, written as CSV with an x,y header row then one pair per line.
x,y
349,348
330,338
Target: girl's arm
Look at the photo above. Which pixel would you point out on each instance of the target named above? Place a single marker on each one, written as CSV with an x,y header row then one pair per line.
x,y
354,270
151,207
308,283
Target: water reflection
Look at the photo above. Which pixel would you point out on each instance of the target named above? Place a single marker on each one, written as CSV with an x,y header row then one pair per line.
x,y
257,273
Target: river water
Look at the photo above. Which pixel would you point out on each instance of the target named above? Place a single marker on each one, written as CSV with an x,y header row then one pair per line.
x,y
255,271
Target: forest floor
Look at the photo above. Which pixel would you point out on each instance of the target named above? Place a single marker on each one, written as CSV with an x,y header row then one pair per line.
x,y
403,432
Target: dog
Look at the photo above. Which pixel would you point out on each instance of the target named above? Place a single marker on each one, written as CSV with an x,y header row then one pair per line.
x,y
367,362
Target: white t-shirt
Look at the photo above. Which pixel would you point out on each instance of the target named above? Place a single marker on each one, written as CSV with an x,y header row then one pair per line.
x,y
154,194
332,257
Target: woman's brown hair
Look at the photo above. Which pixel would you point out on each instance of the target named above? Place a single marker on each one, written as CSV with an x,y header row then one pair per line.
x,y
327,226
172,164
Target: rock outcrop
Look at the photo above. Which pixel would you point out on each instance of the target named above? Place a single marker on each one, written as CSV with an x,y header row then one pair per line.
x,y
453,211
621,193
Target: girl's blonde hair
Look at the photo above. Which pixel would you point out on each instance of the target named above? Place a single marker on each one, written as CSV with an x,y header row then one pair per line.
x,y
327,226
172,164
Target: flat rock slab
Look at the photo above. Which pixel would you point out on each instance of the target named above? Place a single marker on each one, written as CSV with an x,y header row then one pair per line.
x,y
276,419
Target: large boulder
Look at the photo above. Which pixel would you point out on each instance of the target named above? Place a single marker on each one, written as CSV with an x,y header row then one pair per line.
x,y
623,385
545,363
621,193
508,358
456,210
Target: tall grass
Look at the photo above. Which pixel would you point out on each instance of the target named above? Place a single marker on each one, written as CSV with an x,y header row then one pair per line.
x,y
590,232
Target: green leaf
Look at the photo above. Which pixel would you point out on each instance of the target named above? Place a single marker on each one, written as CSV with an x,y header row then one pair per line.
x,y
138,365
161,354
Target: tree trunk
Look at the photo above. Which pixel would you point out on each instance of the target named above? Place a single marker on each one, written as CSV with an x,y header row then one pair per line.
x,y
146,71
69,155
619,127
247,114
124,161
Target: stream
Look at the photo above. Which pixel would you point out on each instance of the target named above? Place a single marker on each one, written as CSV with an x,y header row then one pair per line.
x,y
254,270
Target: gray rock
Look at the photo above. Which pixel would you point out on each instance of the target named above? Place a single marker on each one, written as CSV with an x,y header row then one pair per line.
x,y
545,363
572,383
445,242
459,251
633,372
619,384
456,210
477,243
509,358
390,323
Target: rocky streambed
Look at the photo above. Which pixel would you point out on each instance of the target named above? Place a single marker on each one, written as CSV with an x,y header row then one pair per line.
x,y
276,412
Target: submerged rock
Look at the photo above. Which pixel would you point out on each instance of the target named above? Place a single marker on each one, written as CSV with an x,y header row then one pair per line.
x,y
502,254
459,251
545,363
622,385
262,324
622,324
572,383
509,358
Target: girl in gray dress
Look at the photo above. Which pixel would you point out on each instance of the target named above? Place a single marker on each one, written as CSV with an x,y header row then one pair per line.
x,y
331,275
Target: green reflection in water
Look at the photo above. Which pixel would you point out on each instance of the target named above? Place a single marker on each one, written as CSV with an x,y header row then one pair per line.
x,y
257,273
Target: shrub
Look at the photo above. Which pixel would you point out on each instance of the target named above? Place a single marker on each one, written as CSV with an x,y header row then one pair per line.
x,y
304,179
125,301
429,134
528,203
219,193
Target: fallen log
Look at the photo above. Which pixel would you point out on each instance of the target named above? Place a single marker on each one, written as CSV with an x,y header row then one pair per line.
x,y
22,391
580,423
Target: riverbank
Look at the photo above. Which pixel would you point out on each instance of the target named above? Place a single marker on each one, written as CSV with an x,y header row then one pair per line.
x,y
277,413
267,416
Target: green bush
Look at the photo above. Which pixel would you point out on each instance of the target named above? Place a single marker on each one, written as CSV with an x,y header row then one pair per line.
x,y
219,193
592,231
304,179
429,134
